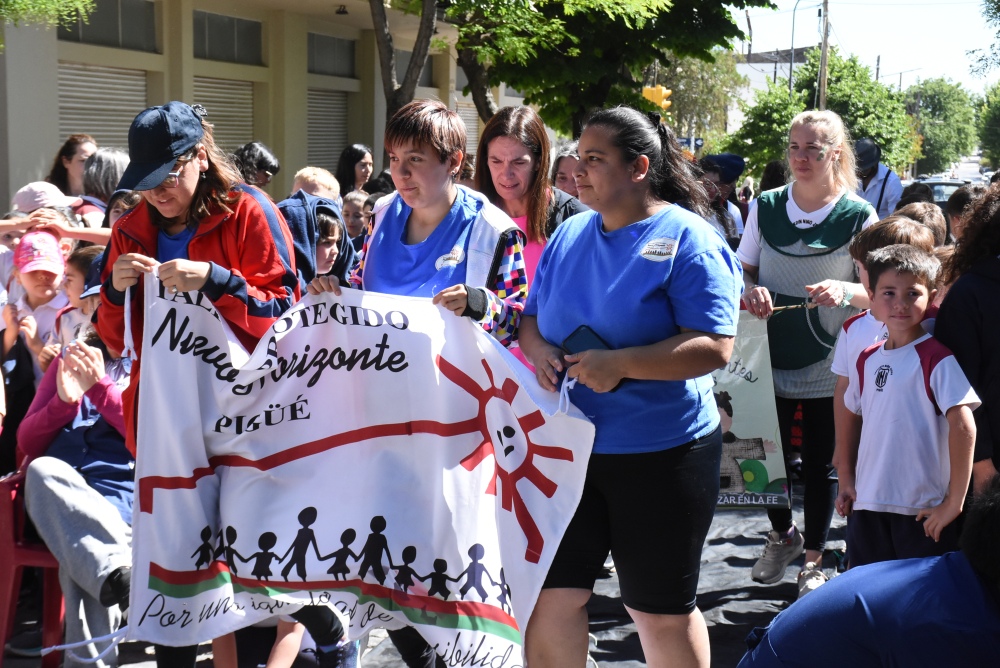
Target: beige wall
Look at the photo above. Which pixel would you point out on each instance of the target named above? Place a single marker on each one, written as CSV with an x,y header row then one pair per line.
x,y
29,110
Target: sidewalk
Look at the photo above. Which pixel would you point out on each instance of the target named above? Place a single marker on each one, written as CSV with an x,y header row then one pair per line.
x,y
731,602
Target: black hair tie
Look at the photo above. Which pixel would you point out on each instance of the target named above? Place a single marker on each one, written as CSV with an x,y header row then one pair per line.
x,y
654,118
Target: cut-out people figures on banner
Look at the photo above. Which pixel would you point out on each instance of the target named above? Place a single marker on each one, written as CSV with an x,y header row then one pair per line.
x,y
226,548
205,551
300,546
404,572
474,574
339,570
372,557
439,580
504,598
372,552
262,559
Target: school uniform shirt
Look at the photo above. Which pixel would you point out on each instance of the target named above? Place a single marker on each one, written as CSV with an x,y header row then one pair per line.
x,y
45,318
636,286
903,396
70,322
861,331
10,288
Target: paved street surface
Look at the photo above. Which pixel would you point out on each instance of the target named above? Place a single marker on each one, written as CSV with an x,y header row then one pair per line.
x,y
730,601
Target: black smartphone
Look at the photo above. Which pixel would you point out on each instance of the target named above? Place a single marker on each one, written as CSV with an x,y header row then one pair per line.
x,y
584,338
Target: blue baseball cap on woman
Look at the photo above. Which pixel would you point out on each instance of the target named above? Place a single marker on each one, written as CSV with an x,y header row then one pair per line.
x,y
157,138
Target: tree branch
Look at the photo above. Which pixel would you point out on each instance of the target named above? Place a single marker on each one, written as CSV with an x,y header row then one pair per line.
x,y
479,83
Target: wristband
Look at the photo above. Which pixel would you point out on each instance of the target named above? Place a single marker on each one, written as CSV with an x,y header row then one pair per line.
x,y
848,295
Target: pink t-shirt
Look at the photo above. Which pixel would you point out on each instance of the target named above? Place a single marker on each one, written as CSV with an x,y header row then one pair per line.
x,y
532,250
532,253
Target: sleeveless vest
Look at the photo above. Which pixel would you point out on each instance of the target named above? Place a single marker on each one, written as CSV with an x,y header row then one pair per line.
x,y
802,340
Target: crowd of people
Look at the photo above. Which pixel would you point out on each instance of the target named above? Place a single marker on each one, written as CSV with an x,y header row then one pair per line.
x,y
618,261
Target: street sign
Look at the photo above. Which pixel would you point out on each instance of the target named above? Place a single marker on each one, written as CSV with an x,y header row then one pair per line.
x,y
685,142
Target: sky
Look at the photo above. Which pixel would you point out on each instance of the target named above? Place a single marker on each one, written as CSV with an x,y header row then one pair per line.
x,y
922,39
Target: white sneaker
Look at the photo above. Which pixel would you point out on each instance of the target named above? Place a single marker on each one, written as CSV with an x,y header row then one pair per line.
x,y
779,552
810,577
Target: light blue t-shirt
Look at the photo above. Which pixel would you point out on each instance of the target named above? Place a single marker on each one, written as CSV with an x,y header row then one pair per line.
x,y
422,269
636,286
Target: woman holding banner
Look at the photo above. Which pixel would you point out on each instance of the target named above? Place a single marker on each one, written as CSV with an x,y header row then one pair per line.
x,y
638,302
202,231
794,254
433,238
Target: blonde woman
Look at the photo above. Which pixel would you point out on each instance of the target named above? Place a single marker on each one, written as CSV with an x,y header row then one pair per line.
x,y
794,250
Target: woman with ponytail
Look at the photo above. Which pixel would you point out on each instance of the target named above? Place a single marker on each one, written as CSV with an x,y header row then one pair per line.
x,y
638,301
794,252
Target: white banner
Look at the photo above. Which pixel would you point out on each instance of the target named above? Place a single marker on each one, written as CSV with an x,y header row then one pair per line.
x,y
375,453
753,468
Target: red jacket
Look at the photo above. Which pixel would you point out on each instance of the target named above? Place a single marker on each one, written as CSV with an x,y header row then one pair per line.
x,y
251,283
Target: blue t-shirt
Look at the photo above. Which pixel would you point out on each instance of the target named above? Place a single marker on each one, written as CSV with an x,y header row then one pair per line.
x,y
636,286
426,268
915,613
173,247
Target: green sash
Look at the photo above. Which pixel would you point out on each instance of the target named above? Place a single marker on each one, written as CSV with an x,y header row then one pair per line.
x,y
844,221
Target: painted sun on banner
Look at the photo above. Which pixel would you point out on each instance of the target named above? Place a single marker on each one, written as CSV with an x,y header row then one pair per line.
x,y
374,453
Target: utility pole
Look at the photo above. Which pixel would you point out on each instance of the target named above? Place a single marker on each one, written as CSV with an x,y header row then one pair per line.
x,y
878,65
823,55
791,58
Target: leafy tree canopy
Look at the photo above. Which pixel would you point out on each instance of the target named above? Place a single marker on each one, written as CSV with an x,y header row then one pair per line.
x,y
49,13
702,92
946,119
989,126
595,51
869,109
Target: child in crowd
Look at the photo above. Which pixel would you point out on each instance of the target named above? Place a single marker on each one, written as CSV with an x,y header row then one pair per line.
x,y
929,215
904,483
354,213
39,268
70,321
369,206
80,482
317,181
328,246
862,330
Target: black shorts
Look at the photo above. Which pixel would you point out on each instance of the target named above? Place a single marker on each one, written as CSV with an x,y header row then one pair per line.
x,y
652,511
874,536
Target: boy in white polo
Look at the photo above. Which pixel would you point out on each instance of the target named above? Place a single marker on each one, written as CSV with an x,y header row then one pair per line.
x,y
905,483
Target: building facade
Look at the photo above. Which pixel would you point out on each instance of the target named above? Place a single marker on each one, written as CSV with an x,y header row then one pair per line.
x,y
302,76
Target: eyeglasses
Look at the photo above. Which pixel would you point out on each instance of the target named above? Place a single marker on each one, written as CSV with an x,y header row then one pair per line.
x,y
174,178
263,177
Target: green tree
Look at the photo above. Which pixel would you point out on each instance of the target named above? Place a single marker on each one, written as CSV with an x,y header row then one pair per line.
x,y
869,109
601,52
399,93
984,60
702,91
989,126
763,137
45,12
945,119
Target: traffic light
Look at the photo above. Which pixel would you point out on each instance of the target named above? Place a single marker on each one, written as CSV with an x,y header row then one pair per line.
x,y
658,95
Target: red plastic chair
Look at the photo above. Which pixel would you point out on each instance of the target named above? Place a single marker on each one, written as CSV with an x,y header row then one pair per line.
x,y
17,554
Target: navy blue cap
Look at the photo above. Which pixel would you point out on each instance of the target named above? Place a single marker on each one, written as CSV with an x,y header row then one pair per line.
x,y
92,283
868,153
730,164
158,136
